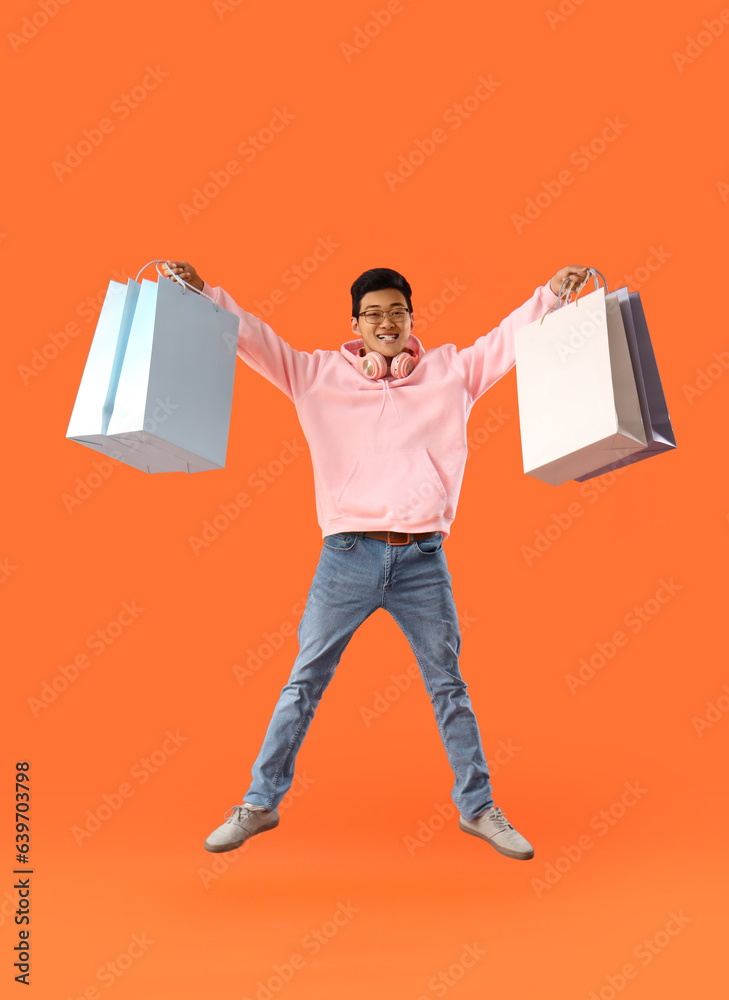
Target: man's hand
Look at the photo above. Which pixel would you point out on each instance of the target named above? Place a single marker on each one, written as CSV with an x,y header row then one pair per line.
x,y
185,271
575,272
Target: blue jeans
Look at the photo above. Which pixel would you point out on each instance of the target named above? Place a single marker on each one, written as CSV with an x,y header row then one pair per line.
x,y
355,576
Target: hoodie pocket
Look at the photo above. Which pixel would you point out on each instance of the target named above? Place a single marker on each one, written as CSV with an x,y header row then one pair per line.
x,y
399,485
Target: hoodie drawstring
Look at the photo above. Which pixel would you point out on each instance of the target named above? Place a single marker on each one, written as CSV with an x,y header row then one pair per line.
x,y
387,395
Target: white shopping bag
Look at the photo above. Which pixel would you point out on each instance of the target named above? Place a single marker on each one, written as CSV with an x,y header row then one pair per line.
x,y
156,392
578,403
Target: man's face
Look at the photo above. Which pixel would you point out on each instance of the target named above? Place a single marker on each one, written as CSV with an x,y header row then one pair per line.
x,y
388,336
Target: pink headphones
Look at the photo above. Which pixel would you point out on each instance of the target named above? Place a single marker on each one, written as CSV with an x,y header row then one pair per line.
x,y
373,365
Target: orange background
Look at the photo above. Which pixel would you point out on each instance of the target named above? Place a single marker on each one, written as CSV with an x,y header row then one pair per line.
x,y
220,925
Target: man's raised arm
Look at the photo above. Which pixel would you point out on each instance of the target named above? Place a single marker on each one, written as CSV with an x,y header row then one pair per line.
x,y
259,346
493,354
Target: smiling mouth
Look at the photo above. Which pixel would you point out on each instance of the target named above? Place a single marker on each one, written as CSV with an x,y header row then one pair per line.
x,y
388,336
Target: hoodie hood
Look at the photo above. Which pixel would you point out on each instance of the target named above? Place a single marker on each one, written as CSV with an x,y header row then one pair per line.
x,y
351,349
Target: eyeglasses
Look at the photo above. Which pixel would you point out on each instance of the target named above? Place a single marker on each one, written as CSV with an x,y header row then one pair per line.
x,y
376,316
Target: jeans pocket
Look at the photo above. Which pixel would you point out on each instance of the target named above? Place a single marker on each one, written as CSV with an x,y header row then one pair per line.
x,y
428,546
342,542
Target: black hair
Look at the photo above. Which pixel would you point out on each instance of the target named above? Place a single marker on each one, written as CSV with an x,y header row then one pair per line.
x,y
375,280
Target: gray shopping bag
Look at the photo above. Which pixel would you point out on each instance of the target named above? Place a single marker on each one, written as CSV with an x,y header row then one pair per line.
x,y
656,419
157,389
578,402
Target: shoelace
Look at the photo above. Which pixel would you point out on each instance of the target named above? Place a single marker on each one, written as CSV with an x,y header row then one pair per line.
x,y
243,813
498,817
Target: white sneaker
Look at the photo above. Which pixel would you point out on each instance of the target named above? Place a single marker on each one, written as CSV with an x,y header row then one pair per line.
x,y
244,823
492,826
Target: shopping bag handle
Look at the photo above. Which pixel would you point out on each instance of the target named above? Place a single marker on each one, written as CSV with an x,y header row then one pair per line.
x,y
571,287
162,260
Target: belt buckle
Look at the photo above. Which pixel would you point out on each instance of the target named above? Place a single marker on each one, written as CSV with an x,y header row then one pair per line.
x,y
407,537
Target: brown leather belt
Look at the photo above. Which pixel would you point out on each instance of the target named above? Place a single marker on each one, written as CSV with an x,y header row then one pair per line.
x,y
398,537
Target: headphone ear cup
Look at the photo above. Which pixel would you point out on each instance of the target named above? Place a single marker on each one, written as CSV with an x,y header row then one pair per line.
x,y
373,365
402,365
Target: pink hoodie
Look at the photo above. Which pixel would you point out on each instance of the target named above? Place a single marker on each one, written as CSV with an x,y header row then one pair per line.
x,y
388,454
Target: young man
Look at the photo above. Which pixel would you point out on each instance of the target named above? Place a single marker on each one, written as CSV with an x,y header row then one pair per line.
x,y
386,425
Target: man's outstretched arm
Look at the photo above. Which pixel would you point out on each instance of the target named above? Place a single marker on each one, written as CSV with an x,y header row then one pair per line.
x,y
493,355
259,346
